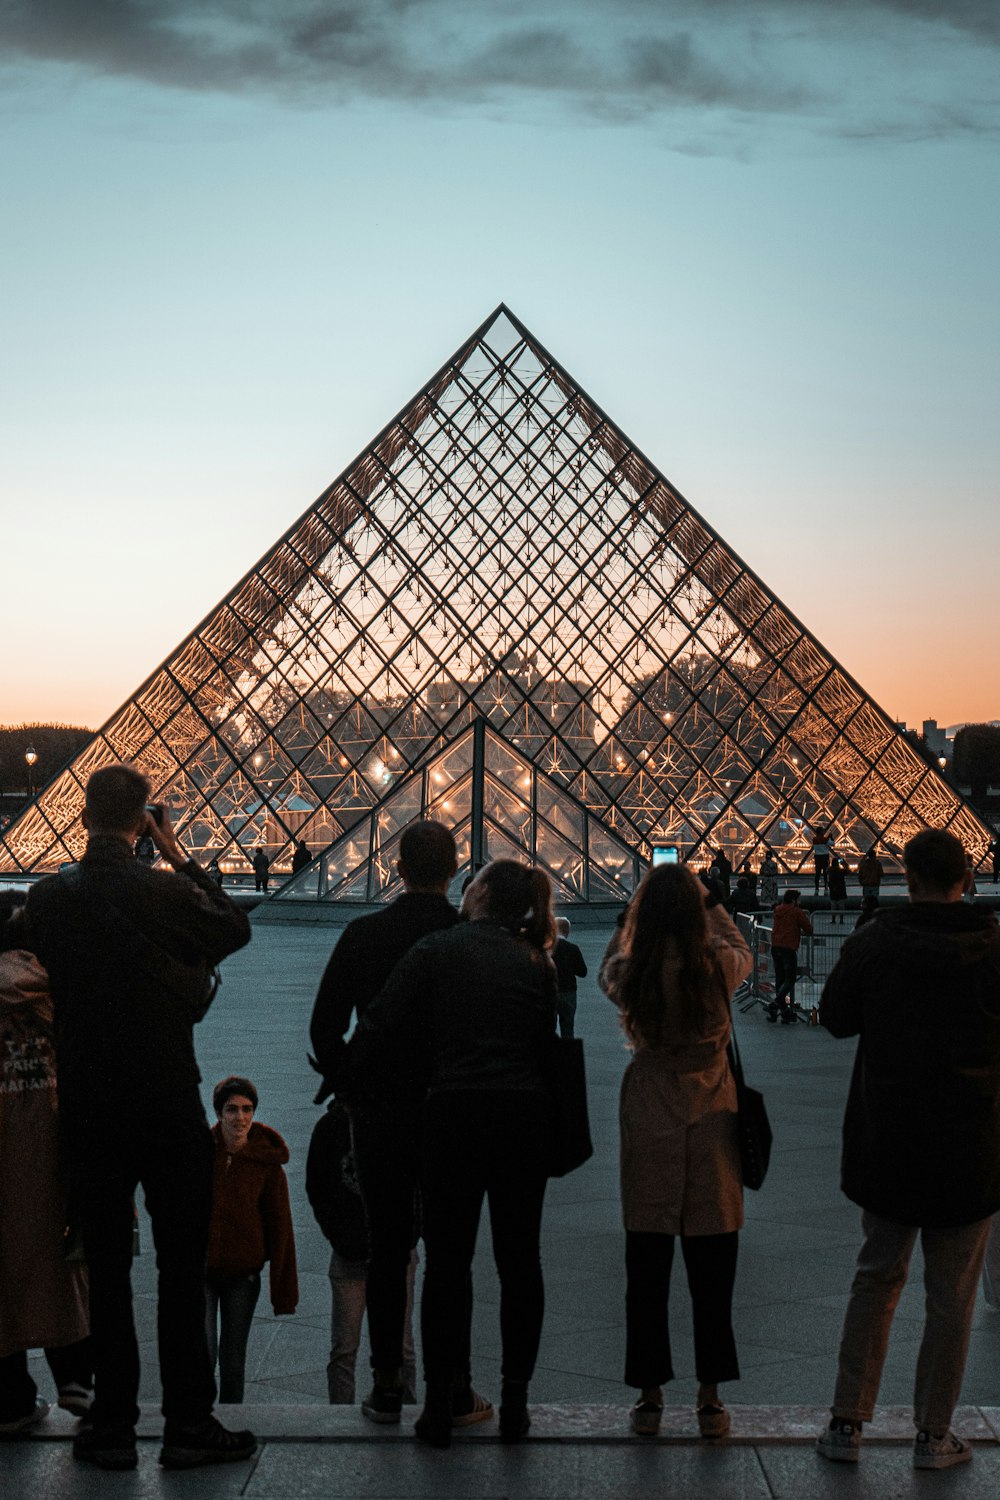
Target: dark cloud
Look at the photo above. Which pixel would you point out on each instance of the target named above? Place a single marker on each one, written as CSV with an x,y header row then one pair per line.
x,y
621,60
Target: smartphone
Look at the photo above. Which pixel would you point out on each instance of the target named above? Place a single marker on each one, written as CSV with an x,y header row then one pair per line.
x,y
665,854
155,810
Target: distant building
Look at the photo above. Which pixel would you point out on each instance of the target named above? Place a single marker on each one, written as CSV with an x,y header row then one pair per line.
x,y
937,739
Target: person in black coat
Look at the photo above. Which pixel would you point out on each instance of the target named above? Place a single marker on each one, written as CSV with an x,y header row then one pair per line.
x,y
920,987
385,1111
570,966
469,1016
334,1195
129,952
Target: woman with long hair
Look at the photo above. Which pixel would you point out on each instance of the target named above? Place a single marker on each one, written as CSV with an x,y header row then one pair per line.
x,y
671,973
472,1010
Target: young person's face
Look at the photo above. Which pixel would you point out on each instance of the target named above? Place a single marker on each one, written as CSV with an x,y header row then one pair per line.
x,y
236,1117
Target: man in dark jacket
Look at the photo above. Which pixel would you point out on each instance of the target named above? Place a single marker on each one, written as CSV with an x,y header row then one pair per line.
x,y
386,1138
130,951
920,987
570,966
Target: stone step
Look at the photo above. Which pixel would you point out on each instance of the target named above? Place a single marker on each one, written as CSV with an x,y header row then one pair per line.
x,y
573,1422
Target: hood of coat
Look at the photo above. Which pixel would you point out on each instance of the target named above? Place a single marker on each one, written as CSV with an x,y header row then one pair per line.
x,y
23,981
262,1145
939,935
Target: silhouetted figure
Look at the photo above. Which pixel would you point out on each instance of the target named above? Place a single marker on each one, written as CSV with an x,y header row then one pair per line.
x,y
870,874
838,889
768,893
335,1197
475,1007
569,968
921,1138
671,975
387,1112
821,858
43,1295
130,953
743,898
791,924
300,858
261,870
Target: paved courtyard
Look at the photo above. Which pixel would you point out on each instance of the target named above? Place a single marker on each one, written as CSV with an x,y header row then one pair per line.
x,y
796,1258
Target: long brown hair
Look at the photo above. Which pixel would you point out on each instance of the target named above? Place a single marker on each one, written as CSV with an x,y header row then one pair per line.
x,y
520,899
665,920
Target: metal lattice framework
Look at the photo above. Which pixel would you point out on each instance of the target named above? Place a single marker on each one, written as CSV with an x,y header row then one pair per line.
x,y
503,551
499,805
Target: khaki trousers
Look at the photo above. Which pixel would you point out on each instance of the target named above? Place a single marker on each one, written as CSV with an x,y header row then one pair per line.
x,y
953,1259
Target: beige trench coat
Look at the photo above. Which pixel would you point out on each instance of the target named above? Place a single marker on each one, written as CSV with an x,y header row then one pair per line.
x,y
680,1157
43,1299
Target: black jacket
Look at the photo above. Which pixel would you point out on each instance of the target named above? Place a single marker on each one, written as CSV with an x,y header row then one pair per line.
x,y
920,986
471,1008
365,954
570,965
129,952
332,1184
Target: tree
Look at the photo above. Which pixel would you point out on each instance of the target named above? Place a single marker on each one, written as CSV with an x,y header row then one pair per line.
x,y
976,759
54,744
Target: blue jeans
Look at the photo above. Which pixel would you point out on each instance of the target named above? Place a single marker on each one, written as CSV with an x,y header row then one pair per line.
x,y
229,1308
348,1286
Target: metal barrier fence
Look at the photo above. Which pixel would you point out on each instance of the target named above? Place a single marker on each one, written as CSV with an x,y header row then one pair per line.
x,y
816,958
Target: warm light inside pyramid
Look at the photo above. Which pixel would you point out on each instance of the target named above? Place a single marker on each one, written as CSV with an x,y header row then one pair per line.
x,y
502,552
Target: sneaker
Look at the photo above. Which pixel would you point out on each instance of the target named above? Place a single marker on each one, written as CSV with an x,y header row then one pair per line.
x,y
76,1398
713,1420
384,1404
107,1447
17,1425
207,1443
931,1451
841,1441
468,1407
644,1418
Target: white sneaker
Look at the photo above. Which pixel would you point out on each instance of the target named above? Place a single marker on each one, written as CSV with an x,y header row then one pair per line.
x,y
840,1442
940,1452
38,1413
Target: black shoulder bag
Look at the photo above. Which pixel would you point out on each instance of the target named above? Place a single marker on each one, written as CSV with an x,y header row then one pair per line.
x,y
754,1126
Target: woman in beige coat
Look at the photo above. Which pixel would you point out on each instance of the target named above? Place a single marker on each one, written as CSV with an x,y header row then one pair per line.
x,y
671,975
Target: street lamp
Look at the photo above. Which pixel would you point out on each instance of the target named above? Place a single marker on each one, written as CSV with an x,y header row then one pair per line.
x,y
30,756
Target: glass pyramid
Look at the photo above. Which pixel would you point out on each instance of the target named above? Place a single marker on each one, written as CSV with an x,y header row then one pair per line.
x,y
500,805
502,552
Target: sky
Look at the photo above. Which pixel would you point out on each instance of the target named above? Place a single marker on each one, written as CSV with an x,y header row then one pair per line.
x,y
238,236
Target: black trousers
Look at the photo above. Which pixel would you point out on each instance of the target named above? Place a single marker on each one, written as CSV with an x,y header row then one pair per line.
x,y
70,1365
786,968
386,1142
167,1148
492,1145
710,1261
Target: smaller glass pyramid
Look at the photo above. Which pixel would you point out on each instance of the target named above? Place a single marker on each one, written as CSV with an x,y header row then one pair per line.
x,y
499,805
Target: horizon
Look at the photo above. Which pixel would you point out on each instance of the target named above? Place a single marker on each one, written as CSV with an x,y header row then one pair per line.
x,y
242,241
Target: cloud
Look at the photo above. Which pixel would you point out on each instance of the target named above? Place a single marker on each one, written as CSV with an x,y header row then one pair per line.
x,y
860,69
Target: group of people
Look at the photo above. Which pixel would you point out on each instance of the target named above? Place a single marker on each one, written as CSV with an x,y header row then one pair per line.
x,y
433,1032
